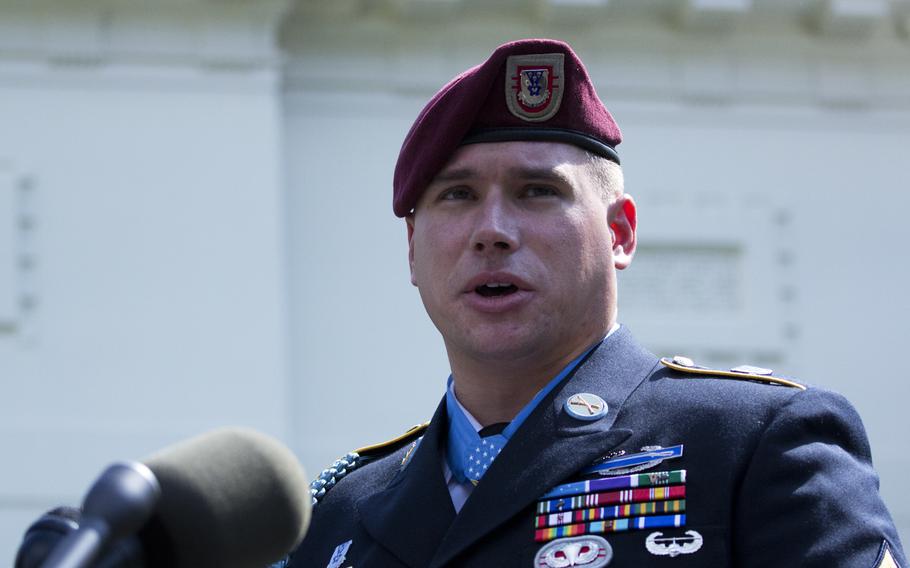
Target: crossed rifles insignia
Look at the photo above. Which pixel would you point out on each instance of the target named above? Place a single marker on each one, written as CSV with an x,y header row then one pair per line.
x,y
586,406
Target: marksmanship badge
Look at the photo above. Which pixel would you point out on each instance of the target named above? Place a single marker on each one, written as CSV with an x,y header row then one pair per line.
x,y
534,85
587,551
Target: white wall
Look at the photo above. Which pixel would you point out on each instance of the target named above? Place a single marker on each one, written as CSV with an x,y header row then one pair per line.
x,y
157,245
366,359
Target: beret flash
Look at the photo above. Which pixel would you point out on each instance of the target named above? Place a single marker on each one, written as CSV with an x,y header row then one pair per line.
x,y
527,90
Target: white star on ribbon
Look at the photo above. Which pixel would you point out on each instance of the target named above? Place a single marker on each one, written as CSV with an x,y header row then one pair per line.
x,y
482,457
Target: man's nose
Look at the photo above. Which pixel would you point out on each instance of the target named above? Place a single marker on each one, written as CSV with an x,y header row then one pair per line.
x,y
496,227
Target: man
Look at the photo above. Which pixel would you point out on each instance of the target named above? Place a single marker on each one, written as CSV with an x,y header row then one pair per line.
x,y
560,441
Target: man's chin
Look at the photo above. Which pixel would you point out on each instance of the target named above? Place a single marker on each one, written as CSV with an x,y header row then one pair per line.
x,y
494,345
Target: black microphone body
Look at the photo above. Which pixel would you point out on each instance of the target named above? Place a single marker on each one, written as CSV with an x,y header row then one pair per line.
x,y
117,505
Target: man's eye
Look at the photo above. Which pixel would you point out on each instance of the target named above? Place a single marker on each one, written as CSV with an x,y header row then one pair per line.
x,y
540,191
456,194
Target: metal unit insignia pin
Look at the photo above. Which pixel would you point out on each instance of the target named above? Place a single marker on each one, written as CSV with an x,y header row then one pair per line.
x,y
752,370
673,546
649,457
586,551
684,361
339,554
586,406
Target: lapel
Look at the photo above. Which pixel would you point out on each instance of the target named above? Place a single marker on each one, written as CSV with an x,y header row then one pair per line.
x,y
412,514
550,446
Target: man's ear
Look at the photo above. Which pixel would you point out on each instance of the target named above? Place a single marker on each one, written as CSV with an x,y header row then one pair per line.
x,y
409,222
623,220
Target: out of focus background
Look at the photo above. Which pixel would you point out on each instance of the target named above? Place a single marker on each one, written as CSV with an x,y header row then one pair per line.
x,y
196,225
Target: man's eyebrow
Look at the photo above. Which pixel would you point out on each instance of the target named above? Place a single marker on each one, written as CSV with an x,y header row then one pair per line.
x,y
548,174
518,172
457,174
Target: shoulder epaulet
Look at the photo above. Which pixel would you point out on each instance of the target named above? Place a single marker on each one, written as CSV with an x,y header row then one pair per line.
x,y
742,372
389,446
353,460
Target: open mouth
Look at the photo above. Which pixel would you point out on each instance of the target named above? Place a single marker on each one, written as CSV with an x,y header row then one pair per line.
x,y
496,289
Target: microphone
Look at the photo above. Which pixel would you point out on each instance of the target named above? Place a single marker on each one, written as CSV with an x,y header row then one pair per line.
x,y
231,498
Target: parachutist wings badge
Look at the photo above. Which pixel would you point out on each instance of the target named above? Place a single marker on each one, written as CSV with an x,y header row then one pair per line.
x,y
580,551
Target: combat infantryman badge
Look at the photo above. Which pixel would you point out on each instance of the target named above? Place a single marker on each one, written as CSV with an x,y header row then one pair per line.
x,y
650,456
661,545
587,551
534,85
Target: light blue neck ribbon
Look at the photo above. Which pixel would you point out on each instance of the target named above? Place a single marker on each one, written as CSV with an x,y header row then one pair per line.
x,y
469,456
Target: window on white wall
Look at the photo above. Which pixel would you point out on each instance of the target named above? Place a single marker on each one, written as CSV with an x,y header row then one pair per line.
x,y
16,254
8,244
712,281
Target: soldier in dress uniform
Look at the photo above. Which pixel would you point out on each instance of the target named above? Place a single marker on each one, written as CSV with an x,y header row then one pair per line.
x,y
560,441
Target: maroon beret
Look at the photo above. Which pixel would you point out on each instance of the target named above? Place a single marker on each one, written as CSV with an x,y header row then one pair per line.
x,y
532,89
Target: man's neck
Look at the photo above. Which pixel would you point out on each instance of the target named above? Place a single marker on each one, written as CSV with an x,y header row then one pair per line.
x,y
496,392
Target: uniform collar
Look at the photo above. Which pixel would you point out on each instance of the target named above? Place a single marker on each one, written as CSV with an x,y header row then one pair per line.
x,y
463,428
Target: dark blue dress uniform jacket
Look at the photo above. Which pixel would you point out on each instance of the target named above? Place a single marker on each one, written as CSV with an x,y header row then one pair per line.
x,y
776,477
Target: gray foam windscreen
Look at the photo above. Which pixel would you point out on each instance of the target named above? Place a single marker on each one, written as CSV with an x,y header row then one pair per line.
x,y
231,498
